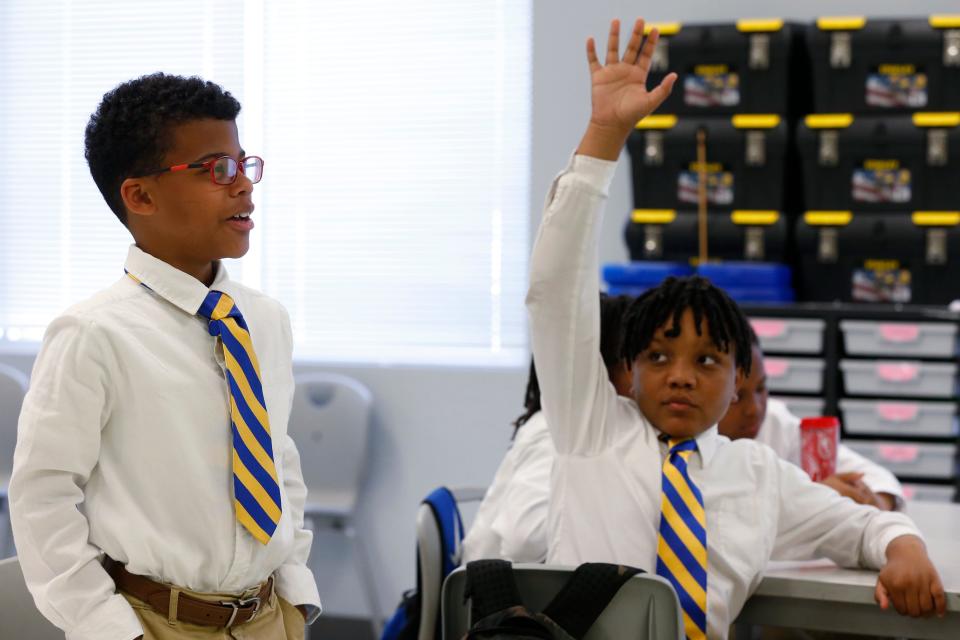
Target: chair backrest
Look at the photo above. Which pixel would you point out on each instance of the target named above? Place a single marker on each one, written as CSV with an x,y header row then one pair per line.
x,y
13,387
330,422
646,606
20,616
429,556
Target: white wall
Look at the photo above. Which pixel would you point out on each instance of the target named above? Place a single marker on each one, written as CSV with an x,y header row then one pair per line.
x,y
450,426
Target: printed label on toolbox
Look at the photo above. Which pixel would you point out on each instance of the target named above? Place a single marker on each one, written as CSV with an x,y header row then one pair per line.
x,y
881,181
711,85
719,185
881,281
897,86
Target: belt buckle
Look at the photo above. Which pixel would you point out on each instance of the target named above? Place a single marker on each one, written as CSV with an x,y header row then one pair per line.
x,y
239,605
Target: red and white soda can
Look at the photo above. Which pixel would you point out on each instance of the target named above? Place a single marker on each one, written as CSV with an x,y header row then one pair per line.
x,y
819,439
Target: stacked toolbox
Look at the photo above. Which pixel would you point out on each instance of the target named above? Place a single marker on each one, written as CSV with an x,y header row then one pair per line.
x,y
737,83
879,66
881,159
890,374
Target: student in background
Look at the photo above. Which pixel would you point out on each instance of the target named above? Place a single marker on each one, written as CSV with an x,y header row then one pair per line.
x,y
511,521
753,414
155,491
649,482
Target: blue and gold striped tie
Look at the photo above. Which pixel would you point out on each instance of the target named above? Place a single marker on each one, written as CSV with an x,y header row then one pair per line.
x,y
255,488
682,547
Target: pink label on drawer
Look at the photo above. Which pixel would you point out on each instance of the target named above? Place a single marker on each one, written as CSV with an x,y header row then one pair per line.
x,y
776,367
899,333
769,328
899,452
908,492
898,372
898,412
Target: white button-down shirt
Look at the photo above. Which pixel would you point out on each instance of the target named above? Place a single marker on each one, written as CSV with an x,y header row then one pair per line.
x,y
511,522
605,486
125,447
781,431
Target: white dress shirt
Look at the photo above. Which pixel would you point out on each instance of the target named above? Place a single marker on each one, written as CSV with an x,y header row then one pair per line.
x,y
605,485
124,447
781,432
511,522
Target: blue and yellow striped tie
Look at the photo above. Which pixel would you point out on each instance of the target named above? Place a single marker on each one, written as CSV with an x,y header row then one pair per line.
x,y
682,548
255,488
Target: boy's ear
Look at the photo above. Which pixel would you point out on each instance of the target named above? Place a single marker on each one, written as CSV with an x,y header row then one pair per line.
x,y
738,382
136,197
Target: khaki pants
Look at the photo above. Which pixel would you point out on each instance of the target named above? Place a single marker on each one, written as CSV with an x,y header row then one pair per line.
x,y
277,620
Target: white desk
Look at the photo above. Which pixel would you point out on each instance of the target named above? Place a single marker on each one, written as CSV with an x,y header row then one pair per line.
x,y
821,596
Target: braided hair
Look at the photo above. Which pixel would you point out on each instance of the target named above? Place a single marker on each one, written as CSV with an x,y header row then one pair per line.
x,y
664,306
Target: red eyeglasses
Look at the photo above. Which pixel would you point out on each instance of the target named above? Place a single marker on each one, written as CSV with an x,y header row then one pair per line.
x,y
223,170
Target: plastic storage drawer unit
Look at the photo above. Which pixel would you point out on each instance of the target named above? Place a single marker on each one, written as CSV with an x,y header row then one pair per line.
x,y
803,407
928,492
910,339
932,419
899,378
789,335
794,375
909,459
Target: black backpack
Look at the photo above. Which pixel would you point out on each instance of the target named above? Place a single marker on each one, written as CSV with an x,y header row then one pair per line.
x,y
498,613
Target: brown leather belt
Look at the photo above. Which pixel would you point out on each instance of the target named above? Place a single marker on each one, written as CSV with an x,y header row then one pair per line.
x,y
227,613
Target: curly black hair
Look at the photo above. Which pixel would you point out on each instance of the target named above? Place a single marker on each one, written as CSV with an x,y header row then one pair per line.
x,y
130,132
612,309
665,304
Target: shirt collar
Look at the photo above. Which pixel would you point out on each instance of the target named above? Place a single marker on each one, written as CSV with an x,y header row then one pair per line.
x,y
707,443
171,284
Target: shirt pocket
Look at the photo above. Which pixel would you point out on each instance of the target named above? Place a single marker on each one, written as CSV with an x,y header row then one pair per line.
x,y
740,534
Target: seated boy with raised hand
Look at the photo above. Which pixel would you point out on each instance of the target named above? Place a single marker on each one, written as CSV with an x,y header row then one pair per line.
x,y
755,415
648,481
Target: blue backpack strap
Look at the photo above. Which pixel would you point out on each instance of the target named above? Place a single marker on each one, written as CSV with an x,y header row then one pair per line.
x,y
447,515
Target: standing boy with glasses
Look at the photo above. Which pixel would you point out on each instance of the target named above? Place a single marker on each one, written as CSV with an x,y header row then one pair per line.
x,y
155,491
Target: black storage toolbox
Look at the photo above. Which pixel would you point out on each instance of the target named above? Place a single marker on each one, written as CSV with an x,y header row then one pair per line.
x,y
731,235
881,163
877,66
879,257
752,66
746,161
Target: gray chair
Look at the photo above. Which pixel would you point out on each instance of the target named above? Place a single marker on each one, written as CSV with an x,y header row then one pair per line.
x,y
13,387
431,563
330,422
646,606
21,619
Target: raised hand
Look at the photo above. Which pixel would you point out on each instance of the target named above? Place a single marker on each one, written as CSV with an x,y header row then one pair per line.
x,y
619,91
